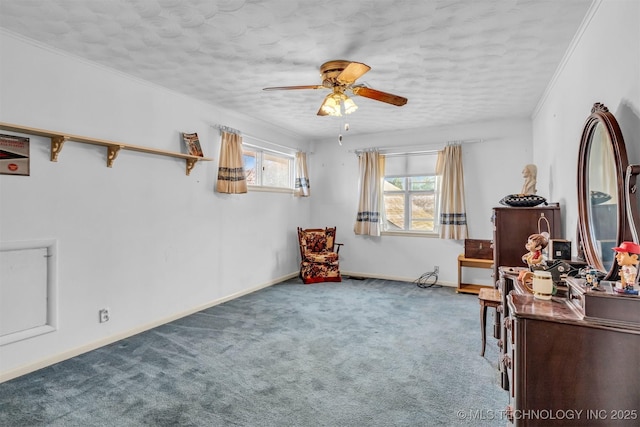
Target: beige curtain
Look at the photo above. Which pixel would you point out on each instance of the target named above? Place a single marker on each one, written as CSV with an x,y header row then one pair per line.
x,y
302,175
368,221
231,175
453,216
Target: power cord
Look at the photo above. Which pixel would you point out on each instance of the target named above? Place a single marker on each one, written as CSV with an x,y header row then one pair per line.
x,y
428,280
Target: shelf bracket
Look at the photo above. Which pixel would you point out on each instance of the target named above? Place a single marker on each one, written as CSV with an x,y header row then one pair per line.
x,y
190,164
57,142
112,153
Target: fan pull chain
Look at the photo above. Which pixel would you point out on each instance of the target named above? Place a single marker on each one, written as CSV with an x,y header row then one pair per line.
x,y
343,124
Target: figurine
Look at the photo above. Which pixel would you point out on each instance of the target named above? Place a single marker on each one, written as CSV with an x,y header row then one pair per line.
x,y
591,277
529,173
535,244
627,259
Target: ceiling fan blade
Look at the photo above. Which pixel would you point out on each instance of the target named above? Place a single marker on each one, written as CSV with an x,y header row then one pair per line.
x,y
379,96
353,72
294,87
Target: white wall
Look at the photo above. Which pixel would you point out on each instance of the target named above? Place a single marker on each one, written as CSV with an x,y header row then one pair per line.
x,y
604,66
141,238
492,169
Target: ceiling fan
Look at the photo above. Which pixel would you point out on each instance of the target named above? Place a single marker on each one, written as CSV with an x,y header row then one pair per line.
x,y
340,76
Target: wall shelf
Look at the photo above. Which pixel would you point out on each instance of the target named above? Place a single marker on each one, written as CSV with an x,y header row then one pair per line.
x,y
58,140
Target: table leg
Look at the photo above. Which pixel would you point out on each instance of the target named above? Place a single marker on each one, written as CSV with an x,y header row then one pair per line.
x,y
483,325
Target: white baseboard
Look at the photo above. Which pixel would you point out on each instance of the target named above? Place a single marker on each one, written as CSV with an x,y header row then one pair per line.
x,y
48,361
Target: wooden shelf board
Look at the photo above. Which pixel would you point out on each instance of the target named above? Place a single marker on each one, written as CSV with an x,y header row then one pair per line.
x,y
470,288
59,138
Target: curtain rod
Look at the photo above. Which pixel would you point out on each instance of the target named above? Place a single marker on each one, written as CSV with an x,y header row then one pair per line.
x,y
397,149
228,129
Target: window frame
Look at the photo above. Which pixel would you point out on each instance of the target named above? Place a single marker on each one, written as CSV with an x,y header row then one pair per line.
x,y
407,193
259,153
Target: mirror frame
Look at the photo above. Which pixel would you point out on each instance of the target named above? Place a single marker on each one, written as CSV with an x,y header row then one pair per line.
x,y
601,115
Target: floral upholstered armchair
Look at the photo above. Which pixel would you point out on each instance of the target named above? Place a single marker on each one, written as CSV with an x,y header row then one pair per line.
x,y
319,260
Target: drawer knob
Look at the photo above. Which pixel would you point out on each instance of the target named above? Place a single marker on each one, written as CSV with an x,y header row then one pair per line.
x,y
506,361
507,323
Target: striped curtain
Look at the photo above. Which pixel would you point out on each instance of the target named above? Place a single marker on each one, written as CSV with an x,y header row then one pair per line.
x,y
302,175
368,221
231,175
453,216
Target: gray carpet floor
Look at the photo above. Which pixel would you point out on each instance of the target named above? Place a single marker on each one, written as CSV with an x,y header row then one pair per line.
x,y
357,353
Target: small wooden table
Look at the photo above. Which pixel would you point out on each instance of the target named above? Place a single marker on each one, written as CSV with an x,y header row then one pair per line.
x,y
470,288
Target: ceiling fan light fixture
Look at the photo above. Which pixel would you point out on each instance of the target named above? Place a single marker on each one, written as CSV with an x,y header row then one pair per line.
x,y
331,105
336,104
349,105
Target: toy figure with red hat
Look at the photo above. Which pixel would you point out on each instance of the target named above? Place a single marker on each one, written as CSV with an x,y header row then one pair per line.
x,y
627,259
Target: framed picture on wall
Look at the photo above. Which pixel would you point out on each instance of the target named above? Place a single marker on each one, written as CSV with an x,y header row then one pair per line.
x,y
192,142
14,155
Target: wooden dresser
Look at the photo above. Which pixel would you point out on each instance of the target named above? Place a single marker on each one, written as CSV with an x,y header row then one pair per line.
x,y
563,368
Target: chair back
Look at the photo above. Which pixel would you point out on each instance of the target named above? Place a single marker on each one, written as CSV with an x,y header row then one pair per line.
x,y
316,239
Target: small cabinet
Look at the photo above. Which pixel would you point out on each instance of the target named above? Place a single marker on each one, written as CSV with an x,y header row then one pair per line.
x,y
511,228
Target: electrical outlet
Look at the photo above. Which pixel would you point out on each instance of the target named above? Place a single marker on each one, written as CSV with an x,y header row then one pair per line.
x,y
103,315
436,269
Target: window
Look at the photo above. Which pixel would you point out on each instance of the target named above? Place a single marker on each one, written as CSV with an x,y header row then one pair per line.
x,y
266,168
410,193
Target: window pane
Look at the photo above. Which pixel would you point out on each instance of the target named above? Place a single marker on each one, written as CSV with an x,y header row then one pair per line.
x,y
394,211
393,183
422,212
250,163
276,171
422,183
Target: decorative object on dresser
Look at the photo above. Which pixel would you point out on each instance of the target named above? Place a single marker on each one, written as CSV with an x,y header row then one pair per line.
x,y
523,200
541,287
536,243
559,249
527,196
530,175
627,260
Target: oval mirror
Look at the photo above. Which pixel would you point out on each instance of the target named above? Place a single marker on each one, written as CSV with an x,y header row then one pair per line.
x,y
602,162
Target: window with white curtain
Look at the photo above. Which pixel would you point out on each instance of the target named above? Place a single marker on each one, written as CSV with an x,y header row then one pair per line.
x,y
410,193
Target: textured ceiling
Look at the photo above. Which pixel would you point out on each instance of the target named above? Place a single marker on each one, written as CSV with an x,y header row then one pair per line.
x,y
455,60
